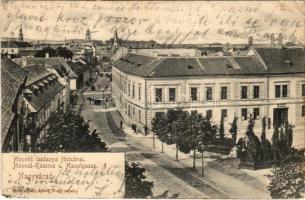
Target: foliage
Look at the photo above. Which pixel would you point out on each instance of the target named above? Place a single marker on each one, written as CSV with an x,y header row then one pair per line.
x,y
249,148
176,127
135,184
159,128
221,130
198,133
64,52
288,178
276,144
68,132
241,149
253,143
233,129
254,150
44,51
73,100
265,144
58,52
282,141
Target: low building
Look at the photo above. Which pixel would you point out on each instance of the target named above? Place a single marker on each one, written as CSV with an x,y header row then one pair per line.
x,y
13,79
13,48
81,72
268,82
43,94
60,67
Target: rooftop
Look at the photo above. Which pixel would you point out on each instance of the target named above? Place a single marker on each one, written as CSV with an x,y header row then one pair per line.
x,y
36,73
12,78
283,60
38,101
288,60
58,63
15,44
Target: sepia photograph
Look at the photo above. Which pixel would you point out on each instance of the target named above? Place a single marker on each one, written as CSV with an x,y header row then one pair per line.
x,y
152,99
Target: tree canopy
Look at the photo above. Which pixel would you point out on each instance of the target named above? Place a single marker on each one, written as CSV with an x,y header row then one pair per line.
x,y
59,51
188,131
135,184
69,132
288,178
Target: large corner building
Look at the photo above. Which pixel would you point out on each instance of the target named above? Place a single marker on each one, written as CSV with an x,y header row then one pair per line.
x,y
267,82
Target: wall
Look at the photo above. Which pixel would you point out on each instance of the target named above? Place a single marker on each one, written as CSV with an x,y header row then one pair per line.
x,y
73,84
10,50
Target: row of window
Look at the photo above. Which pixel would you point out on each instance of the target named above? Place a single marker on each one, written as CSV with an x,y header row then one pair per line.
x,y
131,111
208,93
281,91
12,50
244,92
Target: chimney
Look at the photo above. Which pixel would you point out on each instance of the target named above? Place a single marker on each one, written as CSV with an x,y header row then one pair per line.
x,y
250,41
23,61
47,55
272,39
280,40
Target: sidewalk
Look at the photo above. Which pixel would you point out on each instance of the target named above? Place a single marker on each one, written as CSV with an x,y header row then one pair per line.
x,y
221,171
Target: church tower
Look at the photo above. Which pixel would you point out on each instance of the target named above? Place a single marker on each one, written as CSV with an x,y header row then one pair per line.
x,y
20,34
115,39
88,35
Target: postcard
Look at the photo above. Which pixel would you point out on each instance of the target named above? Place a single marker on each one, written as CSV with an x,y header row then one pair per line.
x,y
152,99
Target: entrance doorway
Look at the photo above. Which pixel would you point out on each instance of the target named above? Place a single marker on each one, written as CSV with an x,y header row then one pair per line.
x,y
280,115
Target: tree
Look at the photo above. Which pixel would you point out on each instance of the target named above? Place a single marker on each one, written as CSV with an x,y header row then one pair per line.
x,y
283,144
265,144
135,184
175,127
206,137
69,132
253,144
159,124
288,178
189,139
59,51
233,130
64,52
221,130
289,134
44,51
198,132
276,144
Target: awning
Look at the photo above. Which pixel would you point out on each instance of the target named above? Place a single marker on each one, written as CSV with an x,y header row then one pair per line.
x,y
50,78
45,81
35,87
41,84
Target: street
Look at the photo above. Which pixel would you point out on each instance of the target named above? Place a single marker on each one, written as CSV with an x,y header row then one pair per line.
x,y
222,178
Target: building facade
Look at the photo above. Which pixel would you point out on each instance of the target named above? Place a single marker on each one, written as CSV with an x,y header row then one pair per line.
x,y
58,66
43,94
269,82
14,48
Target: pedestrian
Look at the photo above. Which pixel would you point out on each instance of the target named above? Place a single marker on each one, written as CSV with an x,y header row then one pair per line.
x,y
121,124
145,129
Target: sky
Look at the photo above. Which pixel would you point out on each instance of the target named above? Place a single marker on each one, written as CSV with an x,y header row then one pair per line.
x,y
165,22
